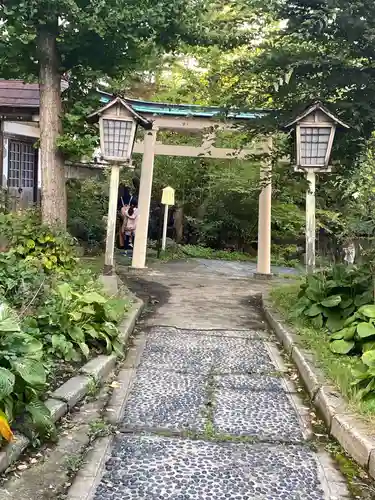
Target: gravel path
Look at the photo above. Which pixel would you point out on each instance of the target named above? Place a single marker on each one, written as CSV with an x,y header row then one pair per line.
x,y
210,415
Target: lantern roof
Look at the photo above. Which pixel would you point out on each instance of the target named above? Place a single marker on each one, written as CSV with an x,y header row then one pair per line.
x,y
94,117
318,106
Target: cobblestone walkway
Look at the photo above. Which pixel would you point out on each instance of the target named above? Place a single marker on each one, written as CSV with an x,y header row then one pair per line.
x,y
210,415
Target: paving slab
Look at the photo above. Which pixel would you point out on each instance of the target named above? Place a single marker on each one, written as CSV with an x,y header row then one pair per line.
x,y
166,400
192,353
149,467
256,414
245,334
250,383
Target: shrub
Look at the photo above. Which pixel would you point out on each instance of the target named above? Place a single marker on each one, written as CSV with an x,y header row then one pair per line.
x,y
331,296
22,377
28,239
76,320
339,299
21,282
61,314
87,205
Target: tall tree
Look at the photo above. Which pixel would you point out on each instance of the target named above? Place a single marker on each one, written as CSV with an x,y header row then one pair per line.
x,y
46,39
321,49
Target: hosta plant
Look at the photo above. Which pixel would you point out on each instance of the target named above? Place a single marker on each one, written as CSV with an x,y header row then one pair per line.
x,y
329,297
22,377
28,239
75,321
357,334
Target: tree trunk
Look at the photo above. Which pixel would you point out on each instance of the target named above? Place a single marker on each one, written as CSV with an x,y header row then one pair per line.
x,y
54,203
179,224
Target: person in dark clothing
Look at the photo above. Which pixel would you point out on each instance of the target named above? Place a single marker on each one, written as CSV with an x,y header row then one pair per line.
x,y
124,196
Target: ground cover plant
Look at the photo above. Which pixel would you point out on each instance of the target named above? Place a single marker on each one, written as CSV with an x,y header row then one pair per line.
x,y
53,313
334,312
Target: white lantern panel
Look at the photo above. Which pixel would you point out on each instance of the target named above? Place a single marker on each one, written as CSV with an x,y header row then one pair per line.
x,y
314,145
117,136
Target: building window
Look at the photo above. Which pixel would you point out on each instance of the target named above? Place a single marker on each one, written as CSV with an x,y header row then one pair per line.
x,y
22,164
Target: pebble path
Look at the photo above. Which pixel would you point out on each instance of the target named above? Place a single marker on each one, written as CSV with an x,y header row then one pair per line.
x,y
210,417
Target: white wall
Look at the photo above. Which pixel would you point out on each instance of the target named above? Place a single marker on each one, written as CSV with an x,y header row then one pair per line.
x,y
27,129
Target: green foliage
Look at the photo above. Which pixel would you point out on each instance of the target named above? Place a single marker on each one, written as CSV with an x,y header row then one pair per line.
x,y
60,313
338,368
75,320
22,375
339,300
87,205
330,297
28,239
208,253
21,281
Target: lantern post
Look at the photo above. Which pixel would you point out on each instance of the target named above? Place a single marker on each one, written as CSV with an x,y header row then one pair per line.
x,y
315,132
118,123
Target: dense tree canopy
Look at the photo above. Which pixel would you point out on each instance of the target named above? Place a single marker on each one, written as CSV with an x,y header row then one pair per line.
x,y
45,39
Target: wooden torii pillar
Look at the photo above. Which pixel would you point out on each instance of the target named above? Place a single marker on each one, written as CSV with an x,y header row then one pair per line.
x,y
149,147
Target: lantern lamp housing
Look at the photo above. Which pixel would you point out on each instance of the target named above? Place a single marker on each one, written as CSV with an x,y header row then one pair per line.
x,y
315,131
118,123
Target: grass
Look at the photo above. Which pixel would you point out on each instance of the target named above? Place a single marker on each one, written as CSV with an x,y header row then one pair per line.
x,y
96,263
336,367
178,252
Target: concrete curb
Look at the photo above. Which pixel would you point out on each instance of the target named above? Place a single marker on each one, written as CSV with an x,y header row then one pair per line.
x,y
90,474
76,388
354,435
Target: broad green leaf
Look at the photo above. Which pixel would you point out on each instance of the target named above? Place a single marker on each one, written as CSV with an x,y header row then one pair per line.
x,y
93,298
314,310
90,330
30,370
25,345
76,333
350,320
368,346
317,321
363,299
338,335
368,311
331,284
8,320
65,291
349,333
88,310
345,303
334,322
368,358
40,414
346,313
365,330
341,346
313,294
118,348
76,315
332,301
85,349
7,380
114,309
107,341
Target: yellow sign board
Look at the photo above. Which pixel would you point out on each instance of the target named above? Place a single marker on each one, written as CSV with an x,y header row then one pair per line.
x,y
168,196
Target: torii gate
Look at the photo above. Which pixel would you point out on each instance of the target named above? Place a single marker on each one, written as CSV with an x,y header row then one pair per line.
x,y
192,118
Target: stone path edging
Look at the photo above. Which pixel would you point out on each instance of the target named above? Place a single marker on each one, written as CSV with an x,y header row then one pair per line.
x,y
354,435
76,388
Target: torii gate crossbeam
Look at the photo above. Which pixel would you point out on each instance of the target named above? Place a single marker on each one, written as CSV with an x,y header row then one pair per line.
x,y
206,120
